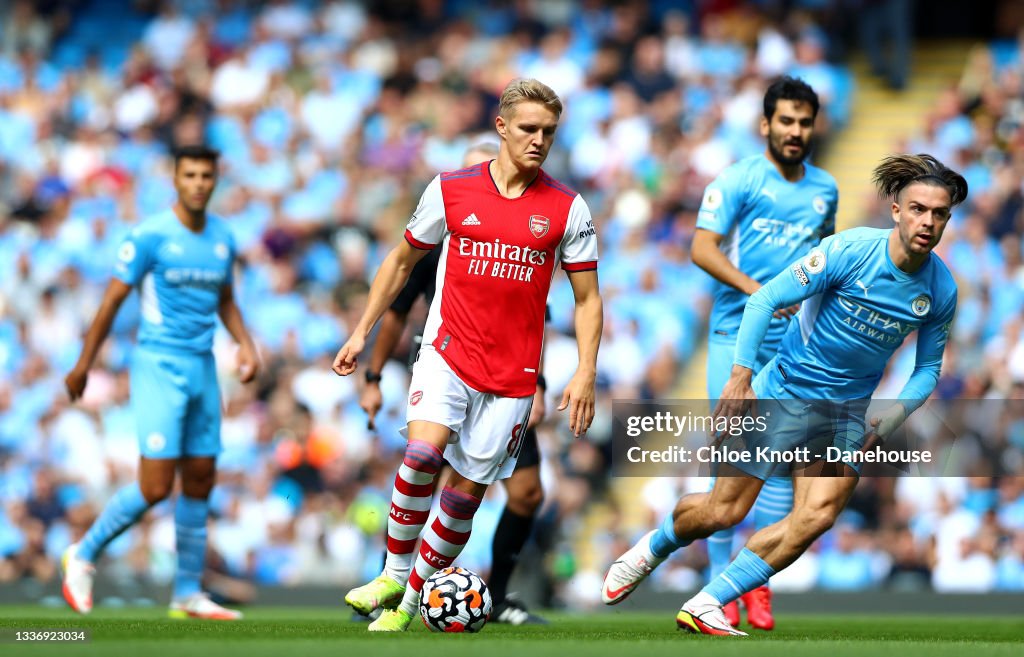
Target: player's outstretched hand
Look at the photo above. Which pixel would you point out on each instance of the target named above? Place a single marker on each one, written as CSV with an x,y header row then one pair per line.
x,y
248,362
346,360
737,398
579,398
883,424
75,382
370,400
786,313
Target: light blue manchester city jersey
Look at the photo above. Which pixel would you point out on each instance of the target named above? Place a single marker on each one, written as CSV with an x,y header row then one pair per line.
x,y
179,275
766,222
859,308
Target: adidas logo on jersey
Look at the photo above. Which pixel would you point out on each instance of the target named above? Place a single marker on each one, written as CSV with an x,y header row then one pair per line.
x,y
471,220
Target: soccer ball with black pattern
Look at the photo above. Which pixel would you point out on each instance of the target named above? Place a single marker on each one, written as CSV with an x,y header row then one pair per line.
x,y
455,600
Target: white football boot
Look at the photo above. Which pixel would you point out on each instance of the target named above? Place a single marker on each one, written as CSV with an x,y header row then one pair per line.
x,y
703,615
629,570
77,585
199,605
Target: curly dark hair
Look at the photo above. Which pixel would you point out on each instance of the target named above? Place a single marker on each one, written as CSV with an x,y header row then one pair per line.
x,y
789,88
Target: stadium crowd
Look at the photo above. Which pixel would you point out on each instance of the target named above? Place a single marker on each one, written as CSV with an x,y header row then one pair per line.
x,y
331,119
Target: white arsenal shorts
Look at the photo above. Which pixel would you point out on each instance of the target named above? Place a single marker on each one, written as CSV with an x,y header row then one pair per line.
x,y
487,430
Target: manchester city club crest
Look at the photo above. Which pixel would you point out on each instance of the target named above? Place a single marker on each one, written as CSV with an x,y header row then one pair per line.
x,y
539,225
819,205
921,305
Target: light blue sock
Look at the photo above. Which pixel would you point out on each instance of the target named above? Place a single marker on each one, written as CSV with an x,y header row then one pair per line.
x,y
720,550
190,529
746,572
664,540
121,512
774,503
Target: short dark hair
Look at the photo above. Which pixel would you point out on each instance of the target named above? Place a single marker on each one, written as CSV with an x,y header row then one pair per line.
x,y
895,172
789,88
195,152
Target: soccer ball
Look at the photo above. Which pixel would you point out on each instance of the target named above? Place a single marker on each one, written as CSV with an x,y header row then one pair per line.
x,y
455,600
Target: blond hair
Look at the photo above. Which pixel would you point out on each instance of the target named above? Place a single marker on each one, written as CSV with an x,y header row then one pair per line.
x,y
522,90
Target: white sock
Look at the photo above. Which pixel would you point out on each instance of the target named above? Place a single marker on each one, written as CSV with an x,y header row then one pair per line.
x,y
703,599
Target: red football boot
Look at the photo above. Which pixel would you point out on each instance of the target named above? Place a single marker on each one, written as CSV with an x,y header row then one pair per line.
x,y
759,608
732,613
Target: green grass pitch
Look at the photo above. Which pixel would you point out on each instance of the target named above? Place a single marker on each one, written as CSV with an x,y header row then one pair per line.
x,y
297,632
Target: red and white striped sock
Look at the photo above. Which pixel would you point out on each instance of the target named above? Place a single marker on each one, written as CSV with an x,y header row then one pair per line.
x,y
442,542
410,506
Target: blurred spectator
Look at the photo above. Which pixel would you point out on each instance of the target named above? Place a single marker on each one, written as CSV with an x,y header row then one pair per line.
x,y
886,29
850,564
167,36
24,30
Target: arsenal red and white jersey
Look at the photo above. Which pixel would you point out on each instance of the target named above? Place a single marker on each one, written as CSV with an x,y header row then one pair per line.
x,y
498,258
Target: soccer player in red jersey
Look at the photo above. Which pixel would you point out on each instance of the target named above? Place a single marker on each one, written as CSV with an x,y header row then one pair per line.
x,y
504,226
524,489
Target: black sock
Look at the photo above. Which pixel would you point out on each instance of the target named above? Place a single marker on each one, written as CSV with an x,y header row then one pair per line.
x,y
509,539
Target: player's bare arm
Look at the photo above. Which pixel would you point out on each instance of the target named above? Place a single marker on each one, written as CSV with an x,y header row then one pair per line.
x,y
247,360
579,395
388,282
117,291
707,254
391,327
